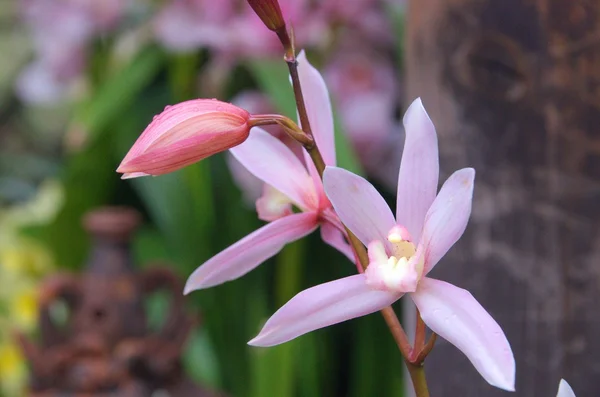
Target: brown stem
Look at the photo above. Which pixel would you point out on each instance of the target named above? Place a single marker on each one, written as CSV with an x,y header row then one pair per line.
x,y
419,334
420,358
288,126
397,331
286,41
304,122
417,373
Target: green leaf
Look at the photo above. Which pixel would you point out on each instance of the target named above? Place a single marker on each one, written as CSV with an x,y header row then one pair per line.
x,y
272,77
89,179
115,96
200,359
172,205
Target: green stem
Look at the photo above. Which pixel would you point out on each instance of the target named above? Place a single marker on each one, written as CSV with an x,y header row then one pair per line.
x,y
417,375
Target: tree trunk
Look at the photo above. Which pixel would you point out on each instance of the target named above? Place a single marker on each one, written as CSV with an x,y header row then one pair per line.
x,y
513,87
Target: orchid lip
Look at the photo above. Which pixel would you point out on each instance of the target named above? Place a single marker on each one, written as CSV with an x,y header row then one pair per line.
x,y
399,267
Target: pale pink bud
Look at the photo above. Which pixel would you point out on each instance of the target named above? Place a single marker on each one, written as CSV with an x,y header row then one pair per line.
x,y
184,134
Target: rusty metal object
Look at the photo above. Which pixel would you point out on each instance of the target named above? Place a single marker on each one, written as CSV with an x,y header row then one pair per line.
x,y
106,346
512,86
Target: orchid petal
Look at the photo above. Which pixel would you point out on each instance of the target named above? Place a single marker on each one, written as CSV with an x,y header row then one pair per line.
x,y
251,251
358,204
186,119
335,238
448,216
321,306
184,134
419,169
456,316
564,389
178,154
318,107
271,161
132,175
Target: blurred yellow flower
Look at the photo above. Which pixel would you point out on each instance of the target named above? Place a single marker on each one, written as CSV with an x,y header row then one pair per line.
x,y
23,263
23,309
13,371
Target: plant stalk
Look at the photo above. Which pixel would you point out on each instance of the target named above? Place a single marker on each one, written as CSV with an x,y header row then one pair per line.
x,y
417,372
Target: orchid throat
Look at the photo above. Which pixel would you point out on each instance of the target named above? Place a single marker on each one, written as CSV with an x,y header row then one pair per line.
x,y
401,270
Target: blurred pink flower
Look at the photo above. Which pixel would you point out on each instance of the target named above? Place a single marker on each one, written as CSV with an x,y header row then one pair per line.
x,y
230,27
365,88
38,84
186,25
291,182
60,31
367,19
402,252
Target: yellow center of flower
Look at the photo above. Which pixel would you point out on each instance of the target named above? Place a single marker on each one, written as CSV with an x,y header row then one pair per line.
x,y
399,272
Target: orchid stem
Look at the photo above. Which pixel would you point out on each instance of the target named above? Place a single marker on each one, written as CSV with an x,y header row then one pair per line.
x,y
426,350
417,373
397,331
419,335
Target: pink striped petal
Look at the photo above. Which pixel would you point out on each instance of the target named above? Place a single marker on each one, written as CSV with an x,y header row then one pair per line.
x,y
334,237
456,316
321,306
448,216
318,107
271,161
419,169
251,251
358,204
162,160
564,390
186,119
184,134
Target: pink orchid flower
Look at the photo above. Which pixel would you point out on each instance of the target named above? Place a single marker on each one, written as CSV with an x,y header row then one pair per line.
x,y
564,390
402,252
289,182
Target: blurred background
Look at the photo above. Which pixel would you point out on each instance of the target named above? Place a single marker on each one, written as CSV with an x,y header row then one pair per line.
x,y
81,79
511,85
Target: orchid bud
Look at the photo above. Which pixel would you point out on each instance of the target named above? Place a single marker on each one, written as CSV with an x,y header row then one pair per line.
x,y
184,134
269,12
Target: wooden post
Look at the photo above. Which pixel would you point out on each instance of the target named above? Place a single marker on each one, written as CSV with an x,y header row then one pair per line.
x,y
513,87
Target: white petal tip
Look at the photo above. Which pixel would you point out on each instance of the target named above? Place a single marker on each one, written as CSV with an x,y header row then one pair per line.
x,y
191,286
467,175
507,387
416,111
131,175
259,341
564,389
504,381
